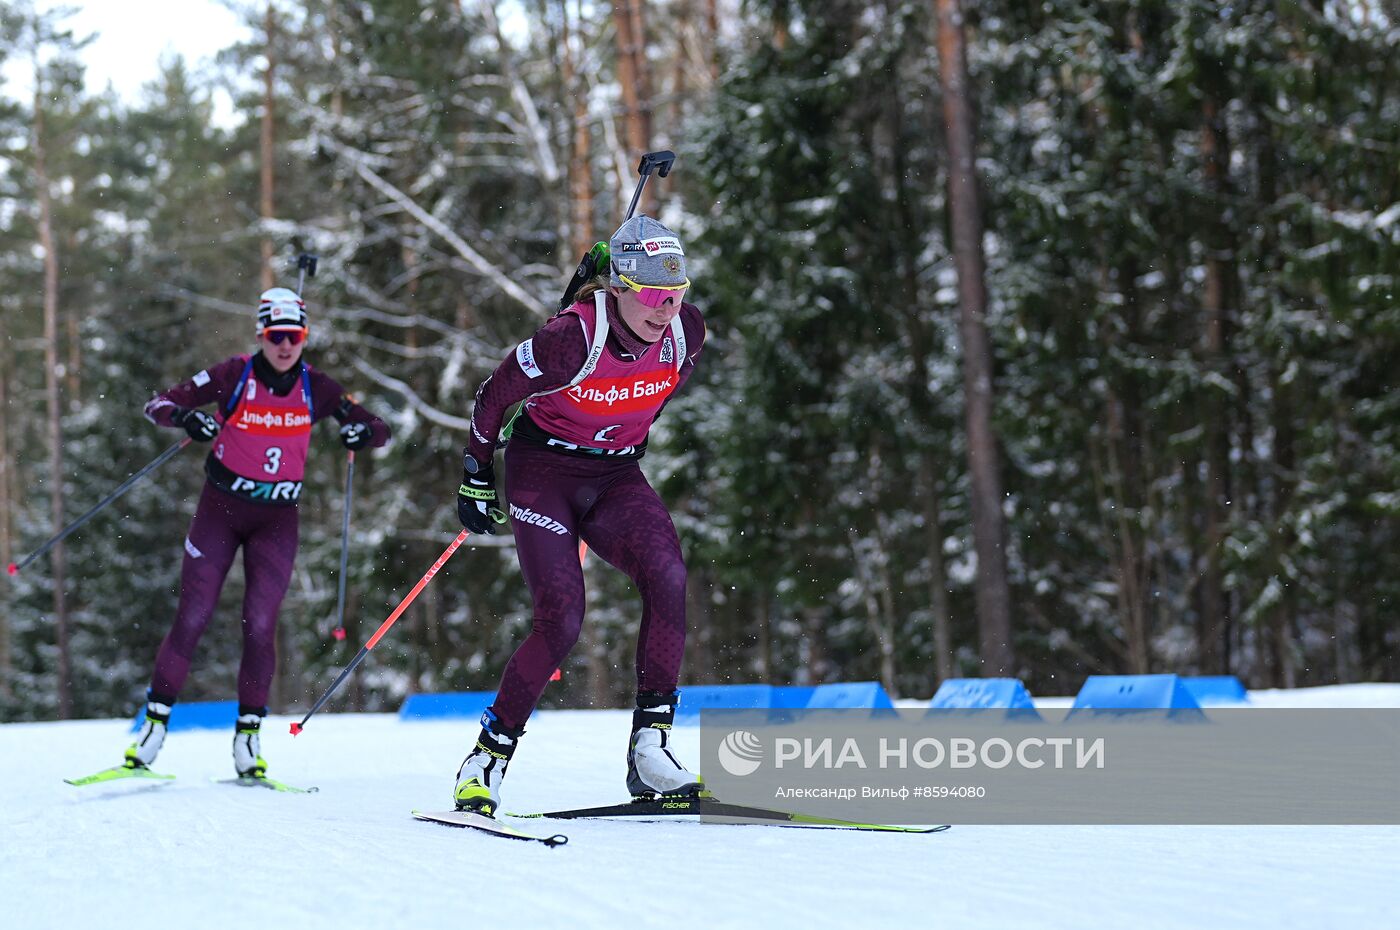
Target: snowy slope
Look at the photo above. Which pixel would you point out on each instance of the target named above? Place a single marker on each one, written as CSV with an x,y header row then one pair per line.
x,y
195,854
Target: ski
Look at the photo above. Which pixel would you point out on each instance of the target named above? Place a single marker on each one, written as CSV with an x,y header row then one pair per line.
x,y
264,782
117,772
475,821
663,808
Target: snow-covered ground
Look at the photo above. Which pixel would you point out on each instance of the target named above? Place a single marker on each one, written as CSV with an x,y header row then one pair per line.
x,y
194,854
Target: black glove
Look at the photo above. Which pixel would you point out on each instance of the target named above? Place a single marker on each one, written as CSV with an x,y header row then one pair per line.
x,y
200,425
477,499
355,435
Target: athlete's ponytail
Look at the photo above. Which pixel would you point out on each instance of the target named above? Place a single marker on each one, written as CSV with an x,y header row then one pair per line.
x,y
585,292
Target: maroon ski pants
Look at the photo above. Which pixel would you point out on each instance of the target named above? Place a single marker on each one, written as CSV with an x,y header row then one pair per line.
x,y
268,534
555,500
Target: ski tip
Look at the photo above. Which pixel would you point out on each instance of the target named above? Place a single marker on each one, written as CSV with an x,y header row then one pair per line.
x,y
296,728
13,569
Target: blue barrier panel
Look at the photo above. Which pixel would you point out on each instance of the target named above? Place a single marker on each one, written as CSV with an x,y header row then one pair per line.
x,y
1216,689
853,694
196,715
981,694
695,698
791,697
446,705
1116,693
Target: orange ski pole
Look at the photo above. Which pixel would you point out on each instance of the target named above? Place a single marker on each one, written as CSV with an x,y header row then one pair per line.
x,y
383,628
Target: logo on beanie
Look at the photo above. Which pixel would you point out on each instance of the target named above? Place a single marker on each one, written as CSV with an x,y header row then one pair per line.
x,y
664,245
671,264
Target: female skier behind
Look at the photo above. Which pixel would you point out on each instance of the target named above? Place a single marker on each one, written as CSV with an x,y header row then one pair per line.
x,y
265,405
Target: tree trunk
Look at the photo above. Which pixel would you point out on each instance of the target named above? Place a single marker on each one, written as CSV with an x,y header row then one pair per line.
x,y
52,372
993,593
699,614
876,625
538,142
813,647
428,645
338,52
6,544
268,277
1282,618
889,671
1219,294
581,151
920,347
680,62
781,24
634,76
74,369
349,646
599,675
1278,628
701,634
1120,485
712,31
943,664
763,617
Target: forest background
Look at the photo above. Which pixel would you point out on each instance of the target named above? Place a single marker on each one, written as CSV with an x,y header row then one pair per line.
x,y
1045,339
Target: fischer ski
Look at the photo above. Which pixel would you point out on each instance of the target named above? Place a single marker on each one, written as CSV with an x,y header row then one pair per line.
x,y
118,772
484,824
708,806
263,781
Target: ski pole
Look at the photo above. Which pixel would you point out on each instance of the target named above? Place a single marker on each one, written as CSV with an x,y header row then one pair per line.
x,y
383,628
588,268
661,163
306,268
339,631
14,568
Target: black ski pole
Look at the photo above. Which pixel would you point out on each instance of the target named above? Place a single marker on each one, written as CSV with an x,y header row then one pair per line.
x,y
339,631
590,265
306,268
661,163
14,568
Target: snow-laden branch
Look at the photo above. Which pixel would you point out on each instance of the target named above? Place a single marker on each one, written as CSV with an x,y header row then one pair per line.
x,y
411,207
428,411
345,314
619,159
438,350
544,153
208,303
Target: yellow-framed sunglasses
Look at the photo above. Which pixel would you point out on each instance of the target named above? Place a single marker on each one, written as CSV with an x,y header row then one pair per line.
x,y
653,295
